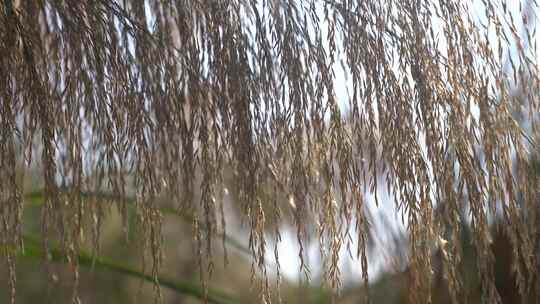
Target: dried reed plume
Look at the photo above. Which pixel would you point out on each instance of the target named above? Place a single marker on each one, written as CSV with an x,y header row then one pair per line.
x,y
166,97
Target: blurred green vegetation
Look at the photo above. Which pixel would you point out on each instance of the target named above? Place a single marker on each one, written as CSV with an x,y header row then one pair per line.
x,y
114,274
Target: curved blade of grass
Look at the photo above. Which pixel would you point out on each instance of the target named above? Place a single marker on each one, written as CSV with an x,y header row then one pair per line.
x,y
33,249
36,197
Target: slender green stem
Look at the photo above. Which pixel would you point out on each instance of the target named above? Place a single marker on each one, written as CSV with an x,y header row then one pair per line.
x,y
33,249
36,197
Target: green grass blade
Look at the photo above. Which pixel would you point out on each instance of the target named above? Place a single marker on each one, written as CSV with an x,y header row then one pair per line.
x,y
33,249
36,198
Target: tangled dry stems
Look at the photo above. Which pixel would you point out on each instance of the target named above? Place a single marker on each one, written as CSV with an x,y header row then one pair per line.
x,y
168,97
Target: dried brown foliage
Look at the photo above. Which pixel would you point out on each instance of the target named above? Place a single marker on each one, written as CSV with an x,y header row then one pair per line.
x,y
166,96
